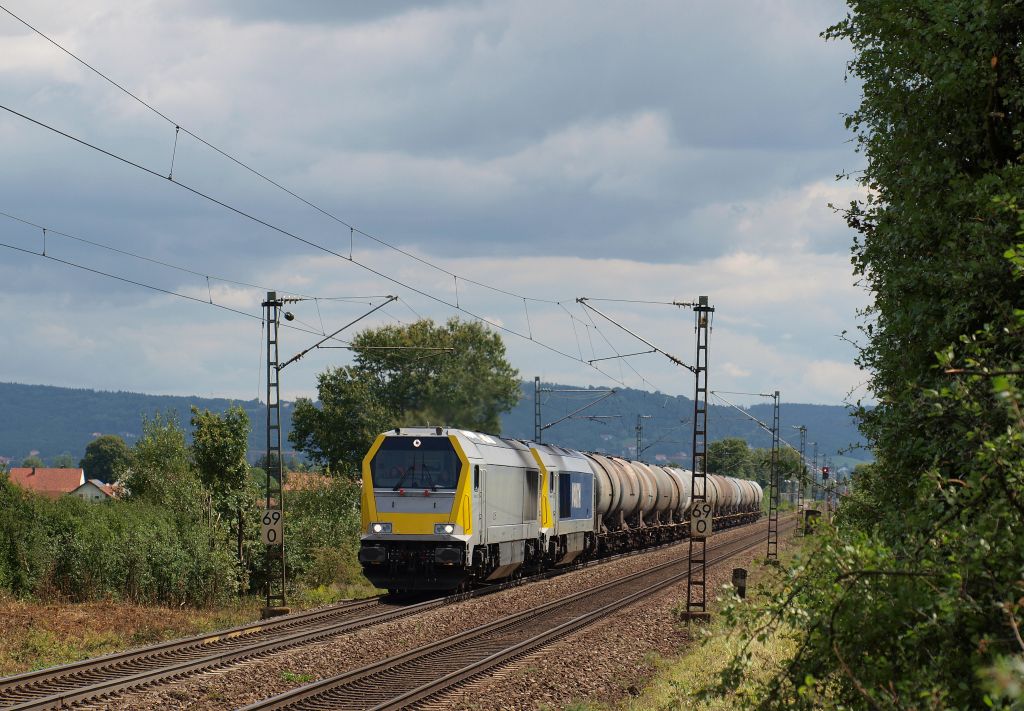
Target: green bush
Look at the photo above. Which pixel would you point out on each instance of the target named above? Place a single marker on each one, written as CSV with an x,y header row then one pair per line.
x,y
322,533
129,550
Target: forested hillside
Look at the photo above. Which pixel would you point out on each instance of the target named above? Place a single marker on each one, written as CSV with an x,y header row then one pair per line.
x,y
669,430
54,420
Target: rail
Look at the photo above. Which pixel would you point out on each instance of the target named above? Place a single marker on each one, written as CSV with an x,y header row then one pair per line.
x,y
415,676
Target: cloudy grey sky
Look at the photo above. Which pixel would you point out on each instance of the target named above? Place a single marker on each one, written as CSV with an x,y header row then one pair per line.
x,y
630,150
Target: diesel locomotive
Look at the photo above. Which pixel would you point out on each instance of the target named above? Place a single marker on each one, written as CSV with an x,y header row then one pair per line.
x,y
445,509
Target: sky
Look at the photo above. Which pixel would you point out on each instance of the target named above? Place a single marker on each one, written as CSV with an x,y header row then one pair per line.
x,y
506,157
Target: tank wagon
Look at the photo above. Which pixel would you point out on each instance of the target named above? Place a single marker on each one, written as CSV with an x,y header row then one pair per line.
x,y
444,509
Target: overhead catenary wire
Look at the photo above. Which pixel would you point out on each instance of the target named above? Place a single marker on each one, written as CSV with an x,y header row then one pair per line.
x,y
322,248
643,301
155,288
618,356
178,127
762,425
177,267
583,302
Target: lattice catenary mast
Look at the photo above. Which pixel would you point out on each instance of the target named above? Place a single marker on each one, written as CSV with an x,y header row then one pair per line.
x,y
696,599
275,561
696,580
773,486
801,480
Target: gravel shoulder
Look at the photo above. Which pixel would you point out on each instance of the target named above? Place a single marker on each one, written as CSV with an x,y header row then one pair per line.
x,y
261,678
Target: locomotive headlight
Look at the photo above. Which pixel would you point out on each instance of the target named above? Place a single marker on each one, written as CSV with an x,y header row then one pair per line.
x,y
444,529
380,527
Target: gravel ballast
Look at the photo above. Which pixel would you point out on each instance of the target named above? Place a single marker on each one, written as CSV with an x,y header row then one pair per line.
x,y
604,662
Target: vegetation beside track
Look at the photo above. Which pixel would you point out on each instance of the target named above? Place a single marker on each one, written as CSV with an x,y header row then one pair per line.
x,y
42,634
683,681
915,599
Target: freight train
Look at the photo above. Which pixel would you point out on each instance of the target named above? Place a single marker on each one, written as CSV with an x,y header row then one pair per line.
x,y
446,509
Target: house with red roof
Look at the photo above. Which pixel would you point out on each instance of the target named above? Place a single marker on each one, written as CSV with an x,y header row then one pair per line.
x,y
50,482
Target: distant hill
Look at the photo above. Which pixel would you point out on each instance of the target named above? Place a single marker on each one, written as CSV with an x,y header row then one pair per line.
x,y
54,420
669,432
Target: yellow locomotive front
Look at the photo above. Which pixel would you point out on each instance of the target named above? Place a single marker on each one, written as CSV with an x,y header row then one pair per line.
x,y
416,511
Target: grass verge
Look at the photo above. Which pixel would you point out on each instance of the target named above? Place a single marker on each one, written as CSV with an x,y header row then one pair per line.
x,y
678,682
44,634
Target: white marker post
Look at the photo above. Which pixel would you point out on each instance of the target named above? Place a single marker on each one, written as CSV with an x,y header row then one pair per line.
x,y
272,527
700,520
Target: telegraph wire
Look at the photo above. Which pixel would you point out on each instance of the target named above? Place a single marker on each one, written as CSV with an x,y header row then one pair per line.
x,y
324,249
179,128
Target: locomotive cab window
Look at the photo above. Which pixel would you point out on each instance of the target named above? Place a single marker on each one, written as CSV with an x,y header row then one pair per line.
x,y
476,477
416,463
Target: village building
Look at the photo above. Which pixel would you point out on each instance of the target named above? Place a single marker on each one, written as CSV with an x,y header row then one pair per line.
x,y
54,482
50,482
95,490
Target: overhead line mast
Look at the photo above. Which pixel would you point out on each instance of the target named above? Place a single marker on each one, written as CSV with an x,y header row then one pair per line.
x,y
801,481
272,530
538,428
773,490
696,581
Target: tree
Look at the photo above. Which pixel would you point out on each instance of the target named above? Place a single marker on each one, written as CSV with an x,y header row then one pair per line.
x,y
106,458
64,461
219,446
916,599
340,431
761,465
161,471
32,460
468,387
730,456
401,378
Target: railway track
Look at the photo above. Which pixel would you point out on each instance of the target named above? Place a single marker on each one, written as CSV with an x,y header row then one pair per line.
x,y
104,677
413,678
95,678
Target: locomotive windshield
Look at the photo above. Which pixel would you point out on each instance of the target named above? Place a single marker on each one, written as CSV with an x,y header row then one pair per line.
x,y
415,463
